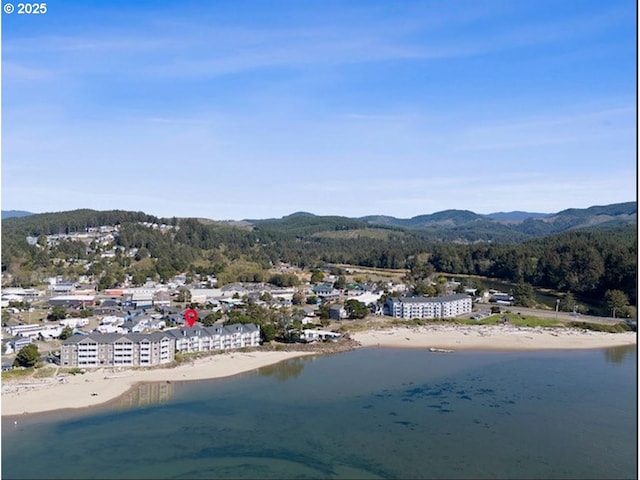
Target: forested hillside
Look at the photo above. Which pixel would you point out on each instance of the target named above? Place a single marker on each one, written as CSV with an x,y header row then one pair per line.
x,y
74,221
586,261
514,226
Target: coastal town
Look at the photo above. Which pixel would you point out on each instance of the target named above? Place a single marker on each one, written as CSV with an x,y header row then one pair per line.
x,y
78,324
320,240
145,326
137,329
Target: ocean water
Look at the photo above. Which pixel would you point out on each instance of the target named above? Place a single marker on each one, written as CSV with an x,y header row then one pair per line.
x,y
367,413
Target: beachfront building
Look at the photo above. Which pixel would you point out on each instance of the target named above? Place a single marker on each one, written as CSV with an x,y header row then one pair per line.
x,y
117,350
147,349
217,337
447,306
309,335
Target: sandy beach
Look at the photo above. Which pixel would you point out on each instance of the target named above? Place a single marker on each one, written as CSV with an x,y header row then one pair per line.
x,y
492,337
77,391
95,387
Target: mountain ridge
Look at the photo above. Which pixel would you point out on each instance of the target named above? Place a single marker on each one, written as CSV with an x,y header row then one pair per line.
x,y
447,225
15,213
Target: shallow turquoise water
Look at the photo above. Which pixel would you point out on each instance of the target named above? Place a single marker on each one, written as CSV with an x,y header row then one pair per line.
x,y
368,413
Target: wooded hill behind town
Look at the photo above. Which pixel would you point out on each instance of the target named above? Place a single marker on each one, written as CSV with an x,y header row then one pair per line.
x,y
582,251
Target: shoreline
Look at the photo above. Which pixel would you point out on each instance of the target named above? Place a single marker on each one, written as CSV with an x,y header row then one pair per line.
x,y
102,387
76,392
492,338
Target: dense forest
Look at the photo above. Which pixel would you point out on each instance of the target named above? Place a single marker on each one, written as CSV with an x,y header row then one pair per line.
x,y
587,262
75,221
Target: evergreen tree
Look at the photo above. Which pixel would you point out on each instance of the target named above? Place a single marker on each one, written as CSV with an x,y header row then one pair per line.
x,y
28,356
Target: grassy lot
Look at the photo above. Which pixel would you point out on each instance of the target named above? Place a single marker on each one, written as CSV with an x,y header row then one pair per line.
x,y
374,323
18,373
375,233
512,319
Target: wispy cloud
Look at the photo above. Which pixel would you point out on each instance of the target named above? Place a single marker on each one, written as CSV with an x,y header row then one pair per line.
x,y
192,49
550,130
397,108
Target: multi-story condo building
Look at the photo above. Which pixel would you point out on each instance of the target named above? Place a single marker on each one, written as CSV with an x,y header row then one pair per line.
x,y
218,337
117,350
429,307
147,349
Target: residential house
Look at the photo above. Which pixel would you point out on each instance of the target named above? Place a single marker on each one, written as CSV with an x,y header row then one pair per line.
x,y
318,335
337,312
74,322
15,344
234,289
325,291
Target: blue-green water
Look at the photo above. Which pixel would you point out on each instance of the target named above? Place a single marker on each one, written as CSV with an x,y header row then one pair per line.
x,y
367,413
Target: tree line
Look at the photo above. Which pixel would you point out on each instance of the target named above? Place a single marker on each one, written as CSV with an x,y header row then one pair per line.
x,y
584,262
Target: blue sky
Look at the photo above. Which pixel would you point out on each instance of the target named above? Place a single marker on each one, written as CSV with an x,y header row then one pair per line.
x,y
255,109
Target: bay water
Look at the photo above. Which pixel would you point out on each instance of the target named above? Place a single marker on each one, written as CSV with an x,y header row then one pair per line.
x,y
366,413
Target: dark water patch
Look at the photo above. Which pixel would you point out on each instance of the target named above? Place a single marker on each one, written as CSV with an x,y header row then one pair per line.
x,y
362,414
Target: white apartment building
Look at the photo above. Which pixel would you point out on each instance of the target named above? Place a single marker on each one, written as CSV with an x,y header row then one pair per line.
x,y
115,349
201,339
429,307
147,349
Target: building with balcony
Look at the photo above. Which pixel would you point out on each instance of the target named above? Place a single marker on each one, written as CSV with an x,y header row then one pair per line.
x,y
217,337
447,306
117,350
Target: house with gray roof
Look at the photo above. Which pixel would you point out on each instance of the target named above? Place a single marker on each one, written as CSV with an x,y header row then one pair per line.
x,y
325,291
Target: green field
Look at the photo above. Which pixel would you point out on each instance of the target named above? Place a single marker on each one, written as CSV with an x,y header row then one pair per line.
x,y
374,233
